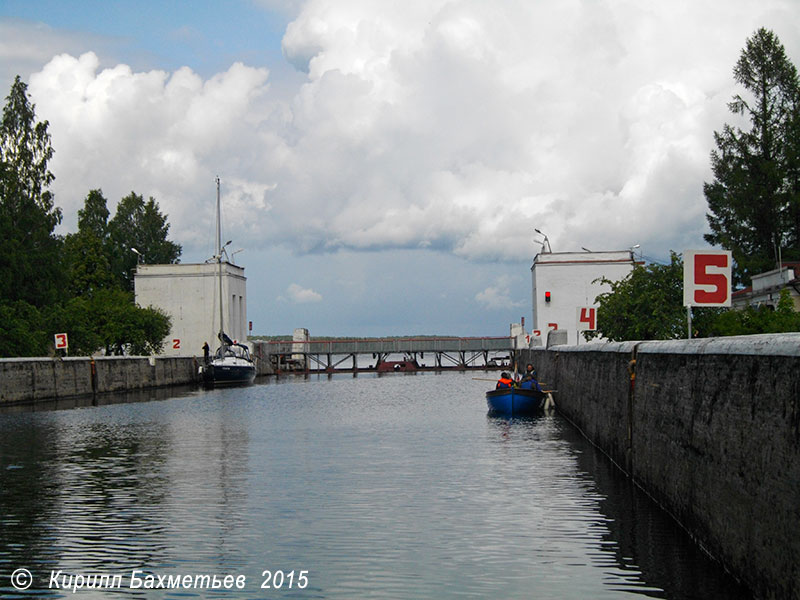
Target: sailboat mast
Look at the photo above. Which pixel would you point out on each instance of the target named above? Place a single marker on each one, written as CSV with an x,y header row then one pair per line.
x,y
219,265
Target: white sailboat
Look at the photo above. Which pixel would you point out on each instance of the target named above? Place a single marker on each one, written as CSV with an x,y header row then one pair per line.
x,y
231,363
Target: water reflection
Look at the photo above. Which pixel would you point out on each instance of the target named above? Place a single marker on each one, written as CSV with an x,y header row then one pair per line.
x,y
104,399
644,539
620,530
100,490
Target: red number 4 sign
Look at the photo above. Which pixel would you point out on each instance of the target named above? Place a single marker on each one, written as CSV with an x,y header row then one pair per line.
x,y
587,318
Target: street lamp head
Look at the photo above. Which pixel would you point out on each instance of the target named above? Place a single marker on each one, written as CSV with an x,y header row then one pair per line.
x,y
545,242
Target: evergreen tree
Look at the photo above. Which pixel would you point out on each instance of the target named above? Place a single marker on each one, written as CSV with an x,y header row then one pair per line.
x,y
87,251
93,217
753,200
793,179
30,268
139,224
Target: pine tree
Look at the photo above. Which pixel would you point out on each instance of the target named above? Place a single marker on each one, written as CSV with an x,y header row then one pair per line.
x,y
140,225
87,252
30,268
753,199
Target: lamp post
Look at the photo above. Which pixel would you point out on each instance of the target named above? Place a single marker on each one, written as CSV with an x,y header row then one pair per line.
x,y
545,242
140,256
223,251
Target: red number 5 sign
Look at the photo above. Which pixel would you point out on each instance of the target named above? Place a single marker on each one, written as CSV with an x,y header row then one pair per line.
x,y
706,278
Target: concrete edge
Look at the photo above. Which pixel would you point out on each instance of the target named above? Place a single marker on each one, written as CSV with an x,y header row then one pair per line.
x,y
769,344
772,344
594,347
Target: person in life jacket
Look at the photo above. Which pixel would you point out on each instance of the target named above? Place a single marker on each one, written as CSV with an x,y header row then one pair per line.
x,y
505,381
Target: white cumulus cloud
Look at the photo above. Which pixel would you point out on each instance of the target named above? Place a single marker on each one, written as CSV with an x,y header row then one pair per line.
x,y
498,296
302,295
456,126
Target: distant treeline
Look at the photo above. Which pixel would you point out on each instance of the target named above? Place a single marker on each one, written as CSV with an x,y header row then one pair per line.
x,y
326,338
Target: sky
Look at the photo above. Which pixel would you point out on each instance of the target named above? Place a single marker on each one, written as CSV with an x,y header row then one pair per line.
x,y
384,165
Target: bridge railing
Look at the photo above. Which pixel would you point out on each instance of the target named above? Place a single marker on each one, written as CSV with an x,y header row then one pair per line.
x,y
388,346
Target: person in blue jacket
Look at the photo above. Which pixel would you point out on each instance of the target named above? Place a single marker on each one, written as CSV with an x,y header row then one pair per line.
x,y
529,380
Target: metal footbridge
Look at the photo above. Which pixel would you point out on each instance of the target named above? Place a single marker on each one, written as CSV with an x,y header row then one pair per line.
x,y
407,354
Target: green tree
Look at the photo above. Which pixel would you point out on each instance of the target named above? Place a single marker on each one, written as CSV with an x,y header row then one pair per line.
x,y
753,201
645,305
793,178
759,319
34,302
93,217
140,225
87,251
22,332
109,320
30,267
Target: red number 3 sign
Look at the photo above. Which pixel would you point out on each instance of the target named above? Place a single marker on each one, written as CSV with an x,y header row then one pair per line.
x,y
62,342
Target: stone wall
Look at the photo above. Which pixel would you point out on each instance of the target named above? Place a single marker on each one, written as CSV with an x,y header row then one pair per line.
x,y
710,429
32,379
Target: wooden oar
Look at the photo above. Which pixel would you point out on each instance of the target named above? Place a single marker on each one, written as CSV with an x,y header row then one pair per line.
x,y
485,379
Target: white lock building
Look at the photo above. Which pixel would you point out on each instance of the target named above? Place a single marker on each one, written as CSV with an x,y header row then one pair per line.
x,y
189,293
565,289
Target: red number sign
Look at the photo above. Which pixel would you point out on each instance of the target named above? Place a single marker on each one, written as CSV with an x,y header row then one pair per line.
x,y
176,344
587,318
62,343
707,278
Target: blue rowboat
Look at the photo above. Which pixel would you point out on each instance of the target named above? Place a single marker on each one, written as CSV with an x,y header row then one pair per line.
x,y
515,402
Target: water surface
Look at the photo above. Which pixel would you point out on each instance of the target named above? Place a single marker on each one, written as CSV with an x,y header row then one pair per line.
x,y
398,486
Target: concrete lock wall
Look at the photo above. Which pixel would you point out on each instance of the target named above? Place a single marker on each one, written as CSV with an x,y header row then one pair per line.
x,y
33,379
710,429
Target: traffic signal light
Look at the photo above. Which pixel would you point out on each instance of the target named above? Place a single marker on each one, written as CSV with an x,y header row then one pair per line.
x,y
547,296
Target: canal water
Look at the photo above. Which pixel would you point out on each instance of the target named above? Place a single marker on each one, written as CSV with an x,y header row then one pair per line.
x,y
397,486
